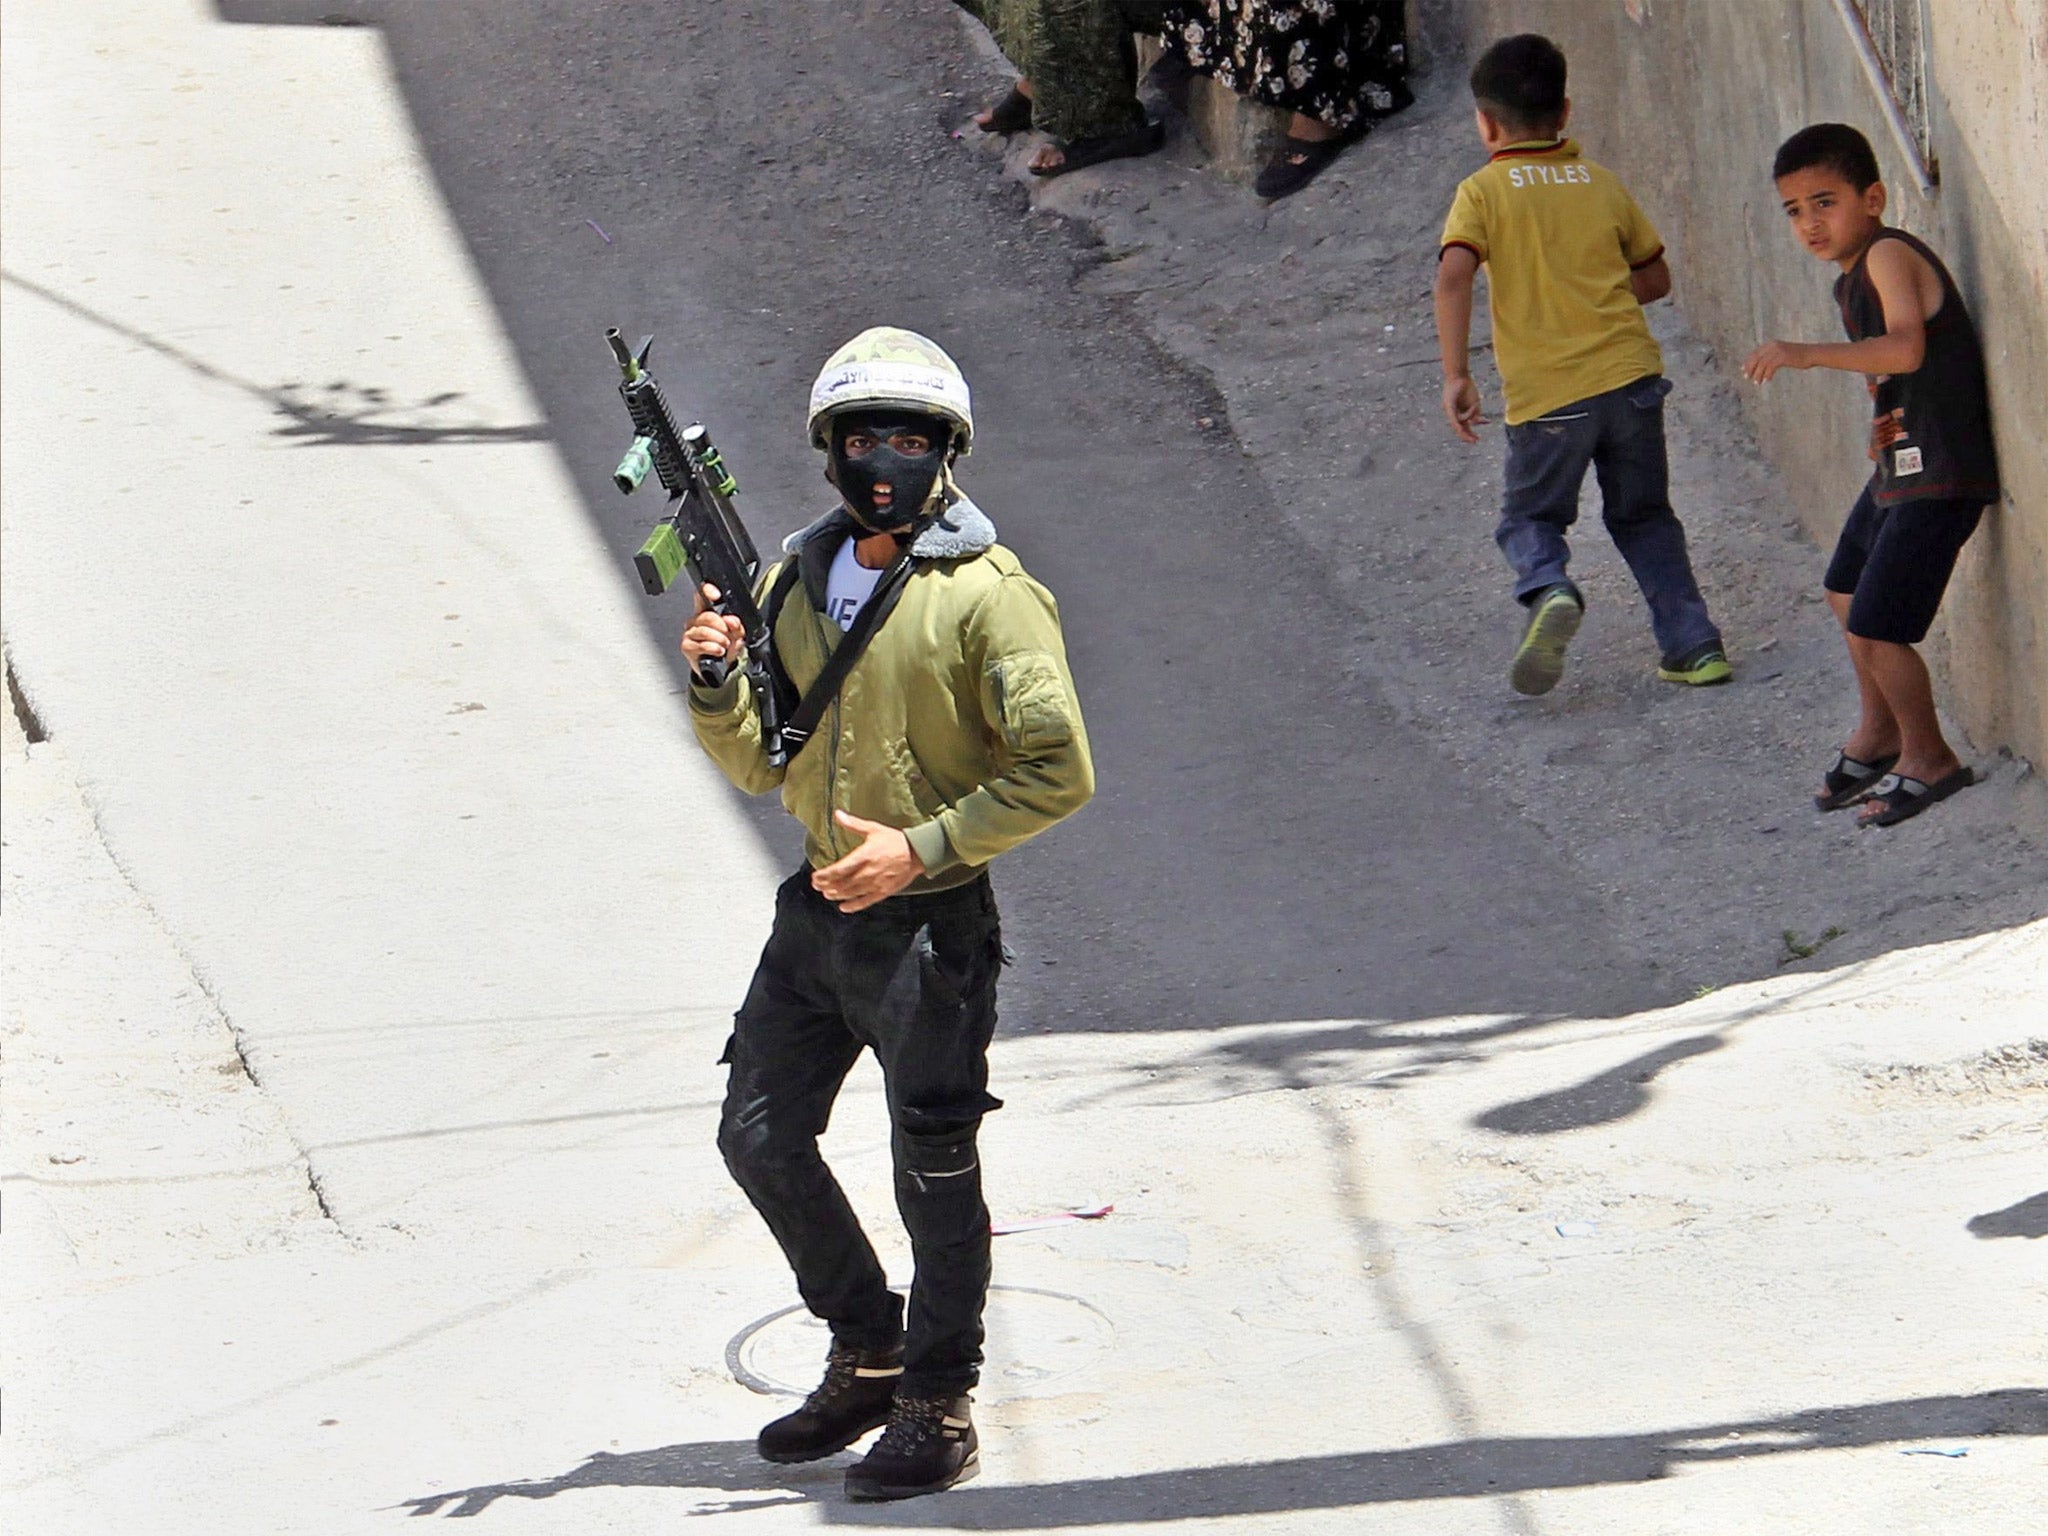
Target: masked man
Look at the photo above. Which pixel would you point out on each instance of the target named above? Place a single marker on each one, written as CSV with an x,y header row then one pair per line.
x,y
954,737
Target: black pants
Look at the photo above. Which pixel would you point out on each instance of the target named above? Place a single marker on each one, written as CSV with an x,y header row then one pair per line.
x,y
914,980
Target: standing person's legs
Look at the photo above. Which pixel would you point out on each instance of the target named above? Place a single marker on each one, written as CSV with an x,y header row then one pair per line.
x,y
1337,69
1635,494
791,1049
920,981
1012,23
1084,80
1876,735
1875,740
1911,556
1901,678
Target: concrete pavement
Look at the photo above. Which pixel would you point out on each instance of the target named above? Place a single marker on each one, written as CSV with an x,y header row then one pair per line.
x,y
363,992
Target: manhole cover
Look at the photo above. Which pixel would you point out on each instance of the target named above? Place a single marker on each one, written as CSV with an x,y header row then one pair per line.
x,y
1035,1339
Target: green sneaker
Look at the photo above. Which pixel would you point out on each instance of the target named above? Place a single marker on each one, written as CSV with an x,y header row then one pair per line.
x,y
1539,660
1701,667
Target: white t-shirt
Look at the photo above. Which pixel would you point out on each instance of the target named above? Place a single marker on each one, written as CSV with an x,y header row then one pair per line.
x,y
848,588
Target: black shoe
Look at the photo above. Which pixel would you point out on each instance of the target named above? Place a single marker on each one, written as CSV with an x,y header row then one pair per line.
x,y
1079,154
1010,115
1297,163
854,1397
929,1446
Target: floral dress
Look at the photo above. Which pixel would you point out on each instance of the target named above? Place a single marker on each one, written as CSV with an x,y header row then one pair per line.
x,y
1344,62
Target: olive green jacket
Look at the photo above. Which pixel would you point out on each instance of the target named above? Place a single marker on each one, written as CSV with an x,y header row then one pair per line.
x,y
959,724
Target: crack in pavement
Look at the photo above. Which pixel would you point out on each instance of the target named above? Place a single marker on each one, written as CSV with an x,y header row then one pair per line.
x,y
213,1006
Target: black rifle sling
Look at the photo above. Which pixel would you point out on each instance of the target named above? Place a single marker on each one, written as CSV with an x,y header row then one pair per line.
x,y
771,610
799,723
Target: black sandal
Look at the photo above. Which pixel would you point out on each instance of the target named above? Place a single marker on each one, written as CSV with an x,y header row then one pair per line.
x,y
1010,115
1849,780
1083,153
1285,175
1904,798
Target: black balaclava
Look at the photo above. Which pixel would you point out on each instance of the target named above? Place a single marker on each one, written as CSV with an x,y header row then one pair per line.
x,y
911,477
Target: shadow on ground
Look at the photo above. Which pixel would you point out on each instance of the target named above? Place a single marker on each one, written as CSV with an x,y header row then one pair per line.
x,y
337,414
1613,1095
1462,1469
2028,1218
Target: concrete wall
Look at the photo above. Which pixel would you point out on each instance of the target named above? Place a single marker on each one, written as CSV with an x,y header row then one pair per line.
x,y
1688,99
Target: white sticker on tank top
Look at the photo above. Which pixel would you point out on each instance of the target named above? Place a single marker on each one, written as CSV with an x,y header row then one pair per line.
x,y
1906,461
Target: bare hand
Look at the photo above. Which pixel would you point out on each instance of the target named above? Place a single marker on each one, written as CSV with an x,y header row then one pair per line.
x,y
880,867
1886,430
1461,408
1767,359
711,634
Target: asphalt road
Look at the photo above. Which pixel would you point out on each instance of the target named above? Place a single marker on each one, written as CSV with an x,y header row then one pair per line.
x,y
754,182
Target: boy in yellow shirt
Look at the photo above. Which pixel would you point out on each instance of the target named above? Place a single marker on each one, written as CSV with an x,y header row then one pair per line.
x,y
1570,262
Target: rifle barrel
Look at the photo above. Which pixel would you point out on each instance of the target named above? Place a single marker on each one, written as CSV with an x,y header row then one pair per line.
x,y
621,352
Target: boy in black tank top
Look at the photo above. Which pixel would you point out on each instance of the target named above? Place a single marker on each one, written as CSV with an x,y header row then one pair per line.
x,y
1912,338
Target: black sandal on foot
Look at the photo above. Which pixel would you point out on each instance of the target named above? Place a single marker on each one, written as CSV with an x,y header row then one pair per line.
x,y
1849,780
1297,164
1904,798
1105,146
1010,115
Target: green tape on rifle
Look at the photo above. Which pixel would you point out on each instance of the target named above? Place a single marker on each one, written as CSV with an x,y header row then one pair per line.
x,y
660,560
635,466
713,464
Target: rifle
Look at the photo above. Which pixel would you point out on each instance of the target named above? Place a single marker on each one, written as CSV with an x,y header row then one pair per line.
x,y
700,530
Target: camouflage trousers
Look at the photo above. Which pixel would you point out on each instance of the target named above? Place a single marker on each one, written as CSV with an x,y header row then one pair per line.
x,y
1081,57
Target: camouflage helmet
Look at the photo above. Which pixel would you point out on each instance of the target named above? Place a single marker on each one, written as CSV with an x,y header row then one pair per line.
x,y
887,366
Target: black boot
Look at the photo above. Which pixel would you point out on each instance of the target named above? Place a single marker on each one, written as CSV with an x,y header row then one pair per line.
x,y
929,1445
853,1398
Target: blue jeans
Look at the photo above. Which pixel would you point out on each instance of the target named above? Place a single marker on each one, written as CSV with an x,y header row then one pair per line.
x,y
1621,435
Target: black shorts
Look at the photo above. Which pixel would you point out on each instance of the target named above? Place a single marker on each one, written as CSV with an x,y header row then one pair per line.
x,y
1895,562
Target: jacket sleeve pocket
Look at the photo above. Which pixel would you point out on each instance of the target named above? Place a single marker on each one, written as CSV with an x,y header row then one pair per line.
x,y
1036,714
